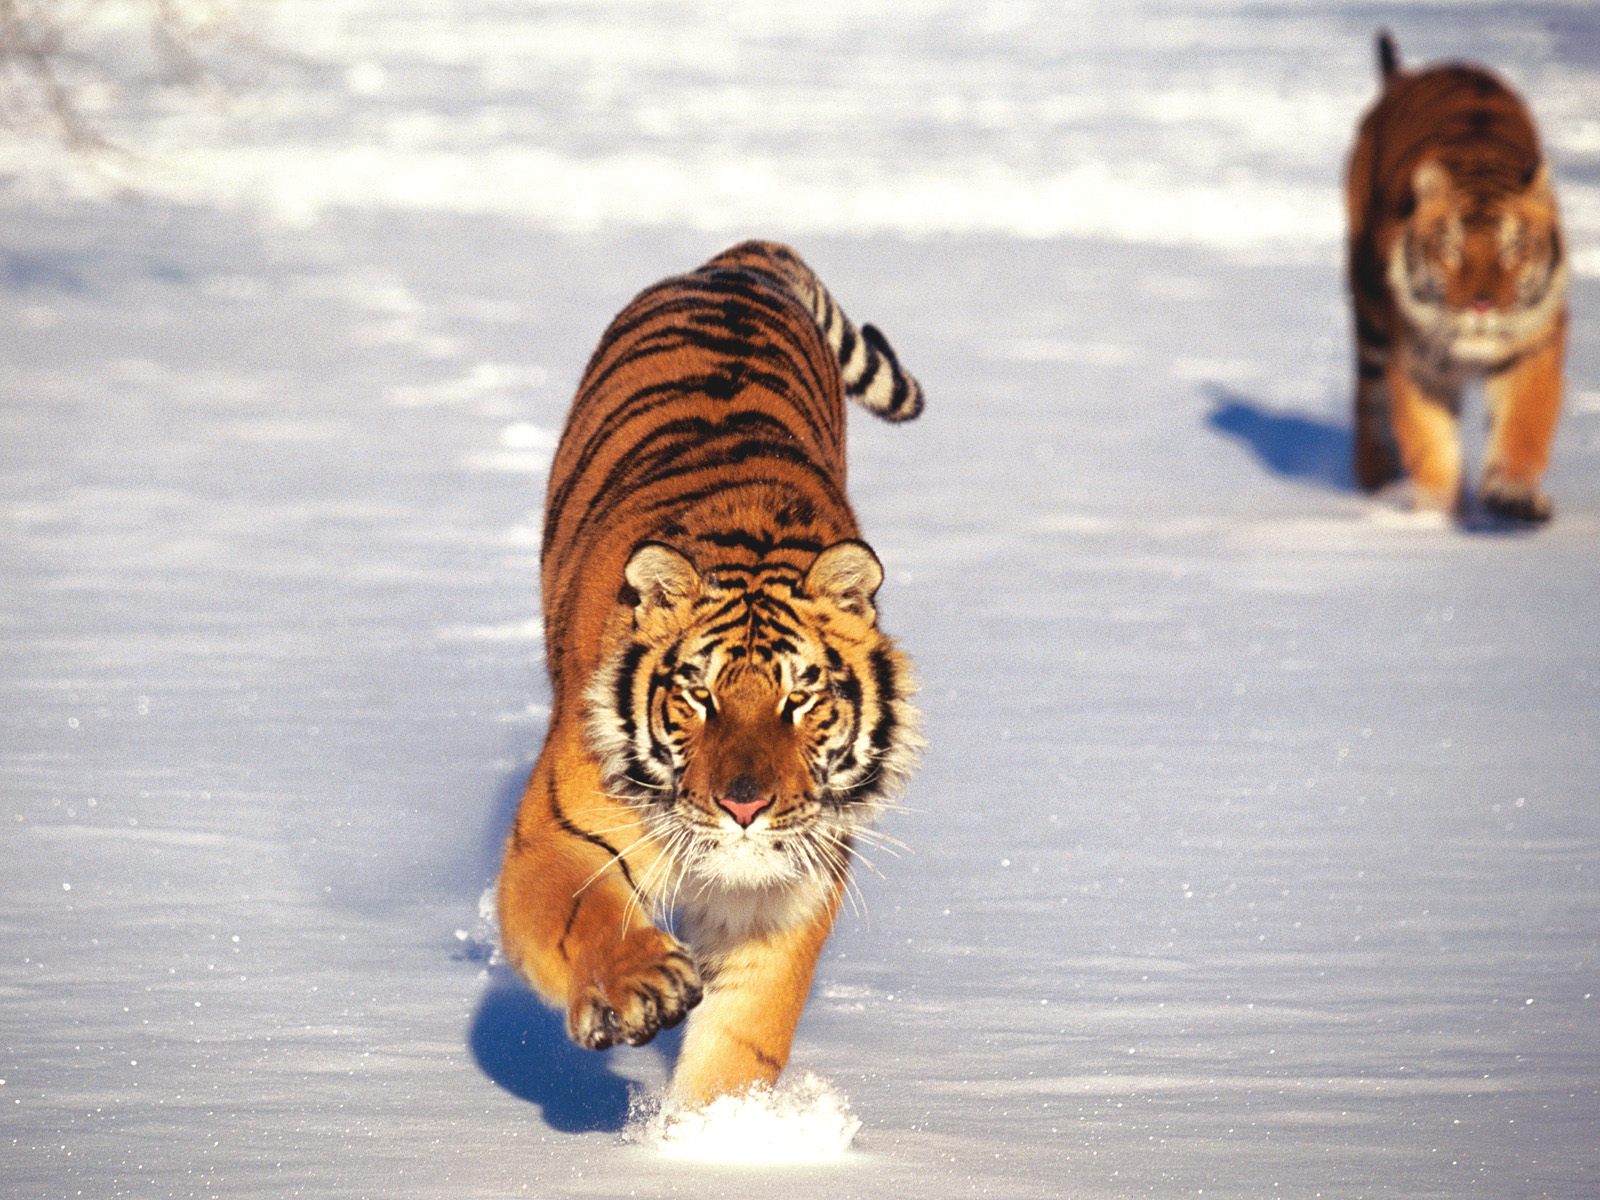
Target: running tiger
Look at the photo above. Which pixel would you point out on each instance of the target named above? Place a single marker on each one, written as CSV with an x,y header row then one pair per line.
x,y
727,717
1457,272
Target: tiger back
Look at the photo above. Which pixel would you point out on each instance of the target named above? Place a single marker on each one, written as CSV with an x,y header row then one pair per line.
x,y
1457,273
727,716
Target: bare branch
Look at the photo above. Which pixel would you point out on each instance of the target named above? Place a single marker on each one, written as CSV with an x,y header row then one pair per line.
x,y
50,61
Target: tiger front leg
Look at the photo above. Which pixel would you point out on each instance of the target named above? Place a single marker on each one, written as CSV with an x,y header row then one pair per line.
x,y
1525,403
630,991
1423,411
1377,462
572,918
1376,459
756,987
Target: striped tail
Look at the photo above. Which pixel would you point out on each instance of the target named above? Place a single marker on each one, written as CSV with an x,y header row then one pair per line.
x,y
1388,56
871,373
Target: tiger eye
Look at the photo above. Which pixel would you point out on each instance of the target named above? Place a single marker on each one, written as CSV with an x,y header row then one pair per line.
x,y
703,695
797,698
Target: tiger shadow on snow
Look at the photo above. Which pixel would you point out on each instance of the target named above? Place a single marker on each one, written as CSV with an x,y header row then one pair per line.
x,y
1291,445
521,1043
1296,446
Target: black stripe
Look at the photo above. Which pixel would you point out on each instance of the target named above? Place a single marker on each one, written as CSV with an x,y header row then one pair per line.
x,y
704,457
566,931
774,626
683,500
758,544
1370,335
699,303
860,386
727,626
639,403
849,691
593,838
665,461
622,689
716,611
761,568
901,390
847,347
883,681
761,1056
805,545
777,604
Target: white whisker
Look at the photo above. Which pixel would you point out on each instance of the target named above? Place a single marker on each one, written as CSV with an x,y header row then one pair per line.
x,y
642,891
683,839
881,841
617,857
844,843
648,785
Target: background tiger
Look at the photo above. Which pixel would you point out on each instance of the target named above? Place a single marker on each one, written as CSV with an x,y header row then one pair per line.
x,y
727,716
1457,271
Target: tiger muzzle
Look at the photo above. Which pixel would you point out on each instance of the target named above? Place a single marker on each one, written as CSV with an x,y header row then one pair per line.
x,y
743,800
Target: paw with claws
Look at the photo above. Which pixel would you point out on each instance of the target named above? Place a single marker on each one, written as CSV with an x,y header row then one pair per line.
x,y
1515,501
646,984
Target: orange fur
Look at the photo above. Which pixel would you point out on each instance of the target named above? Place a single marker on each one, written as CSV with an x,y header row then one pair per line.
x,y
727,716
1457,272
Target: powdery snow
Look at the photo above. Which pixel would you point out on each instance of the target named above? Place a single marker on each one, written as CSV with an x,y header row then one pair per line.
x,y
804,1121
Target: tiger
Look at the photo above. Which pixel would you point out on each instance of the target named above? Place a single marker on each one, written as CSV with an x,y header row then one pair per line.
x,y
1457,272
727,717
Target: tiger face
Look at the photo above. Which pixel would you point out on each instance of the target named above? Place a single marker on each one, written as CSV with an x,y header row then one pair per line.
x,y
757,719
1477,279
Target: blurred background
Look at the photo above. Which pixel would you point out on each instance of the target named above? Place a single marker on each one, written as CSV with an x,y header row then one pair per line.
x,y
1212,124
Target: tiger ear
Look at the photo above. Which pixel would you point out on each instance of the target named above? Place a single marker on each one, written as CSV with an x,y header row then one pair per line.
x,y
659,577
1538,181
849,574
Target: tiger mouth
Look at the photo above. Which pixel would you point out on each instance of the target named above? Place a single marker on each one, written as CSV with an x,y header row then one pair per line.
x,y
1482,347
716,852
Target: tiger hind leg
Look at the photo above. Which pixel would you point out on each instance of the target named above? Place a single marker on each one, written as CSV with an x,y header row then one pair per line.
x,y
756,986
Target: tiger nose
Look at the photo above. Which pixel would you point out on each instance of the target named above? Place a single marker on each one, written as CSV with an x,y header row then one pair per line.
x,y
743,800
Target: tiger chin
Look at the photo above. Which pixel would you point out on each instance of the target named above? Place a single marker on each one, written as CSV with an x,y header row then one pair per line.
x,y
1457,273
728,718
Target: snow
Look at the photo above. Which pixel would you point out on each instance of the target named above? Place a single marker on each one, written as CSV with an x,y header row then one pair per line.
x,y
1256,850
802,1122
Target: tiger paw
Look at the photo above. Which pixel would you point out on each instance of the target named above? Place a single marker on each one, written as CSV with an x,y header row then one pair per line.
x,y
1515,501
647,984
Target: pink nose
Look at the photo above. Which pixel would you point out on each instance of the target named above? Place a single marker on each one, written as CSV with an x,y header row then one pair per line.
x,y
744,811
1480,306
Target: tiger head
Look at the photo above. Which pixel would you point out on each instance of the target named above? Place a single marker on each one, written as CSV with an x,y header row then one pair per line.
x,y
758,721
1478,277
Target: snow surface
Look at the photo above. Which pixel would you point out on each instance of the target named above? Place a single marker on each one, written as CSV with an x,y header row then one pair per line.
x,y
1257,849
801,1122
